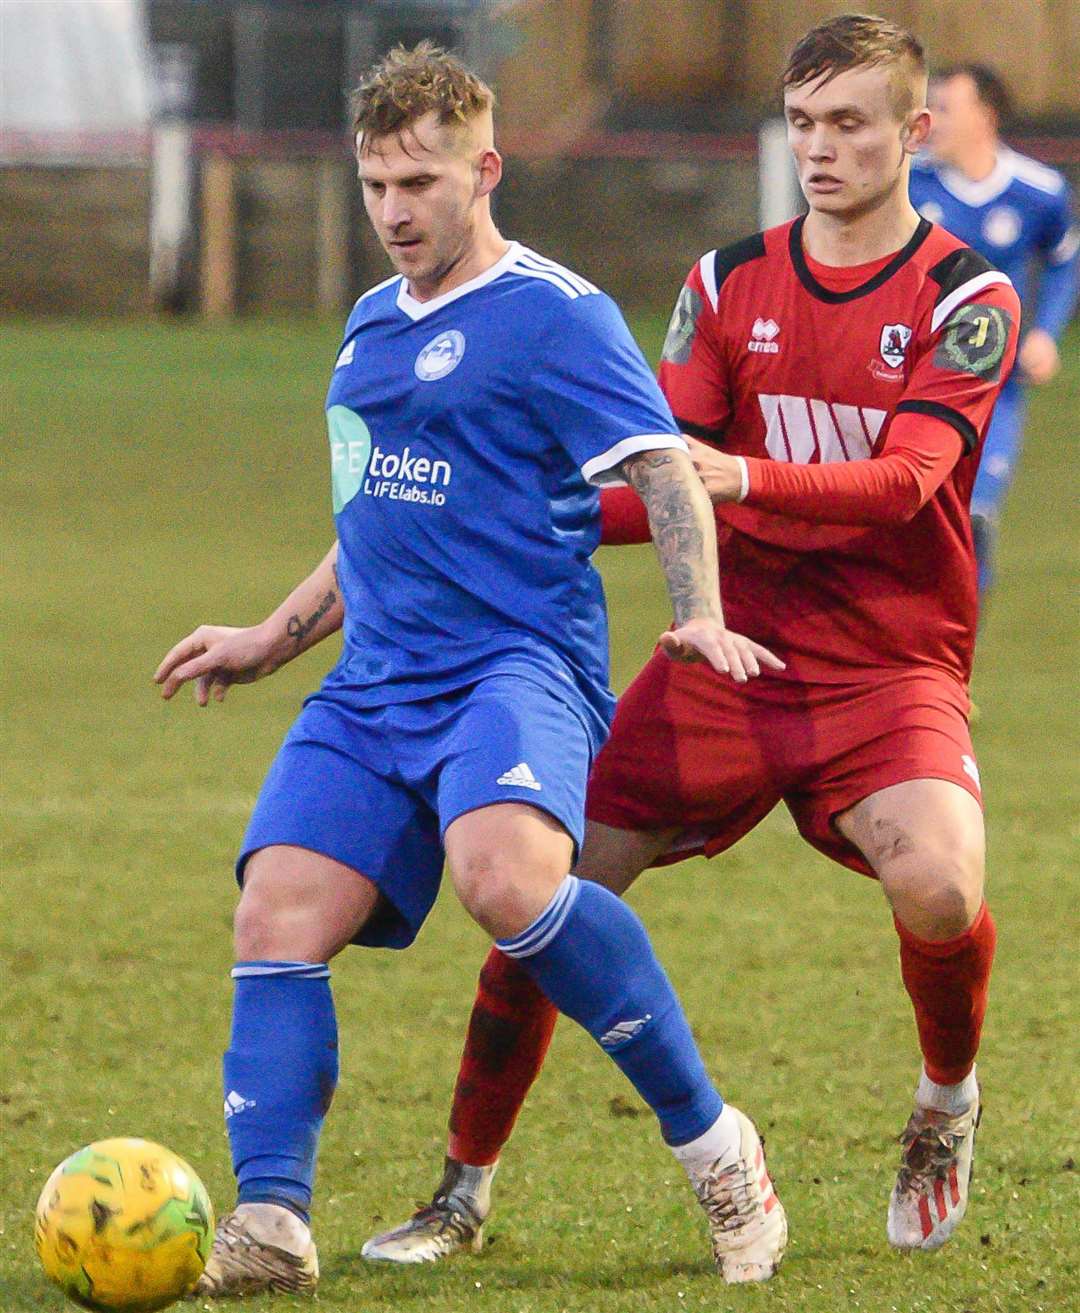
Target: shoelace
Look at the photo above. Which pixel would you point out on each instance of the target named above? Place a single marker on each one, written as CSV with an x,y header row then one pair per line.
x,y
232,1235
727,1195
280,1268
929,1149
454,1218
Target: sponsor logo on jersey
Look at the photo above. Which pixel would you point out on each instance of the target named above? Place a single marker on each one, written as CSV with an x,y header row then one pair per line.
x,y
763,337
1002,225
357,464
680,334
441,355
894,343
805,430
974,340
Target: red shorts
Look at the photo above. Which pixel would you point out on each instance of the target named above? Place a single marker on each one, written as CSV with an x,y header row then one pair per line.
x,y
689,748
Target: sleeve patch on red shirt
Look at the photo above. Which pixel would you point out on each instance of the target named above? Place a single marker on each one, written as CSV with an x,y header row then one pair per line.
x,y
974,340
683,327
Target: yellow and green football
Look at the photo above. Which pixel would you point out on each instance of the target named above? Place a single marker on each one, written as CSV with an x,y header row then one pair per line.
x,y
124,1225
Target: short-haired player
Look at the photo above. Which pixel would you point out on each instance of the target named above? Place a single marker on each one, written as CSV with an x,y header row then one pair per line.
x,y
1018,213
478,398
839,373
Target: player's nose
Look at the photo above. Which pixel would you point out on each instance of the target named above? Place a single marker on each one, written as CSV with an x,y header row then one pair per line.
x,y
395,211
820,145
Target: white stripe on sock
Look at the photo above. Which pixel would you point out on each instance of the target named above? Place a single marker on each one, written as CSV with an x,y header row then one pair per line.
x,y
302,970
546,926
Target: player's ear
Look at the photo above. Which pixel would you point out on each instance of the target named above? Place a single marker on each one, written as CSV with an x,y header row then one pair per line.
x,y
916,130
488,171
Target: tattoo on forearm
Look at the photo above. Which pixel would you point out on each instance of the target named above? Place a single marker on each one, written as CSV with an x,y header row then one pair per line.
x,y
299,629
679,526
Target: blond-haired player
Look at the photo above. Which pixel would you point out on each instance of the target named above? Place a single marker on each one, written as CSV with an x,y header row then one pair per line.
x,y
478,398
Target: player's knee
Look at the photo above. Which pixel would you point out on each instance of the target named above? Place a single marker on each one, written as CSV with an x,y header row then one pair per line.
x,y
256,927
498,893
937,893
268,927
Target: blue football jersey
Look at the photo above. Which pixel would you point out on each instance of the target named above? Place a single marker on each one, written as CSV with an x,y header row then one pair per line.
x,y
1020,213
467,436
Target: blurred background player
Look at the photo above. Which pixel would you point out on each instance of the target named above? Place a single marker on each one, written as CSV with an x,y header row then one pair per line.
x,y
840,372
471,695
1018,213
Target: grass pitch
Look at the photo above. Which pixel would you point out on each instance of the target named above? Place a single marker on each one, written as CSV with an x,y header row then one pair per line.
x,y
158,477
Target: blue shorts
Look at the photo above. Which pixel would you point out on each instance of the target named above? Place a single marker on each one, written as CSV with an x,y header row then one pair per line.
x,y
376,787
1000,452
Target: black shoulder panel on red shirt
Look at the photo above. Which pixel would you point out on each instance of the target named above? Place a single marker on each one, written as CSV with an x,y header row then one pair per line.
x,y
956,269
728,258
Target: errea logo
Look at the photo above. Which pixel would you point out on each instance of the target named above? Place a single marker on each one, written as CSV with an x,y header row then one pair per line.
x,y
763,337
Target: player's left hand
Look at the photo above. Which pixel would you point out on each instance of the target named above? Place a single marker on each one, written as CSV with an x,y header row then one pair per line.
x,y
719,472
729,653
1038,356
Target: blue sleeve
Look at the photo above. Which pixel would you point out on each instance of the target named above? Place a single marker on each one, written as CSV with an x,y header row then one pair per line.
x,y
594,390
1059,246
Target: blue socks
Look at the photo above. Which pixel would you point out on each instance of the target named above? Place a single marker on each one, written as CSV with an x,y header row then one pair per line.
x,y
280,1071
589,953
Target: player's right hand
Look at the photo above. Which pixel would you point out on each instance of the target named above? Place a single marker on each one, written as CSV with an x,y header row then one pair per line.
x,y
726,651
215,656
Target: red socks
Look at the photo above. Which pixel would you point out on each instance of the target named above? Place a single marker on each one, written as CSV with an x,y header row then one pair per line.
x,y
512,1024
509,1032
948,983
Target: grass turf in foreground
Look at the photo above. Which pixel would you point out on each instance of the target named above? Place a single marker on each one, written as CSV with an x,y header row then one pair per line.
x,y
159,477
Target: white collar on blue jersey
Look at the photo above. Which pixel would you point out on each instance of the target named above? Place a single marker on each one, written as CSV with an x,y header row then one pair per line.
x,y
415,309
986,189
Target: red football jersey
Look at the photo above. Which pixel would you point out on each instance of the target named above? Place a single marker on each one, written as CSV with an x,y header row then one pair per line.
x,y
771,356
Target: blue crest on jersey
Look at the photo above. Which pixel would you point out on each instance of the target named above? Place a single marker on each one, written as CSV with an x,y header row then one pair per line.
x,y
440,356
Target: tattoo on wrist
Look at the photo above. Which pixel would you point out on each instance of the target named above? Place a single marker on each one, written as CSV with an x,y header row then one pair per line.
x,y
299,629
678,531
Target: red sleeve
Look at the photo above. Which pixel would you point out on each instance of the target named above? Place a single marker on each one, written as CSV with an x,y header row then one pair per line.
x,y
623,518
918,455
693,366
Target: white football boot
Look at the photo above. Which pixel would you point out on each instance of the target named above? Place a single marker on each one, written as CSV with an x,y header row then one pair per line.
x,y
930,1196
259,1248
451,1223
747,1221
